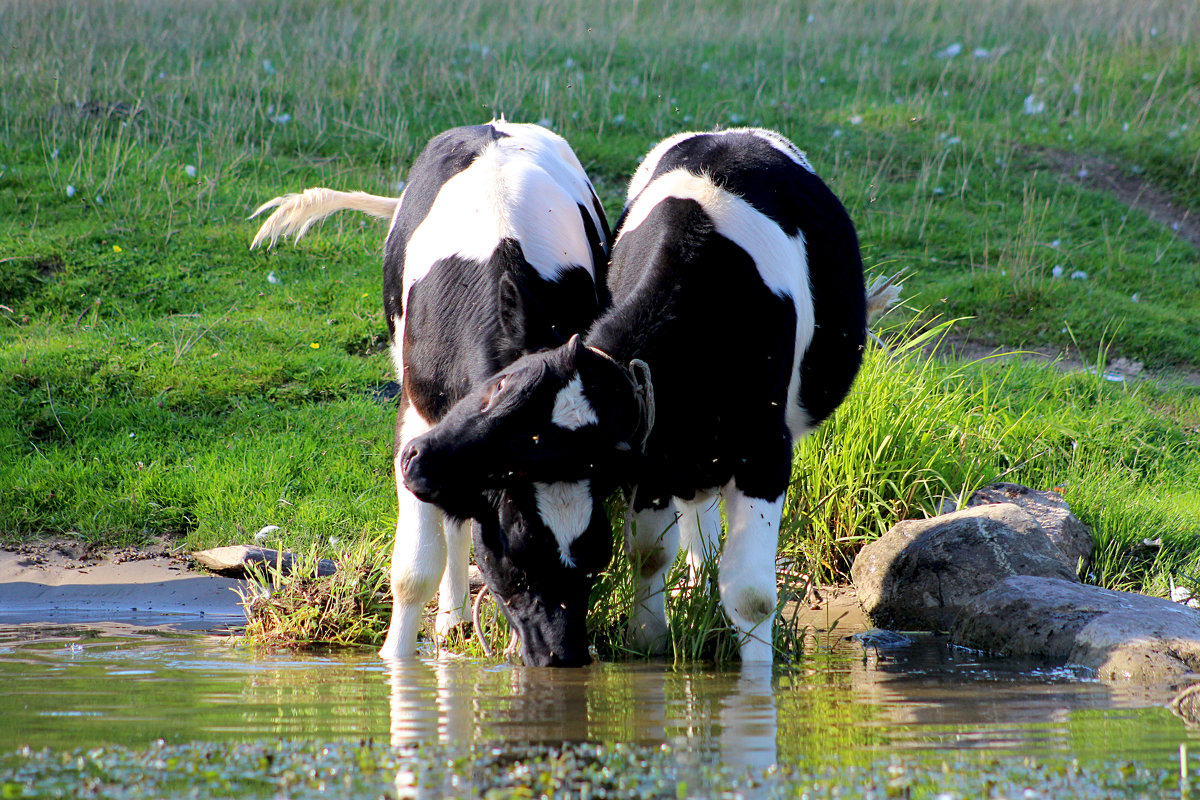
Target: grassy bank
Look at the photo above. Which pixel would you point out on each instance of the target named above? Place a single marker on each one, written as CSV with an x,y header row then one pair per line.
x,y
1029,165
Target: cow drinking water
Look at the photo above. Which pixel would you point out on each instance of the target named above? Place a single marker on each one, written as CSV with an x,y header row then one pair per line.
x,y
737,325
497,248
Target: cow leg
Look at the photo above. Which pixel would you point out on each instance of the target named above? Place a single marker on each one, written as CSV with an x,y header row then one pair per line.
x,y
699,530
747,572
418,562
453,599
651,541
418,555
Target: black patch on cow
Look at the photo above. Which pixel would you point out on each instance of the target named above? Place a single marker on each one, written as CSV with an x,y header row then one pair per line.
x,y
599,245
455,336
797,200
719,343
446,155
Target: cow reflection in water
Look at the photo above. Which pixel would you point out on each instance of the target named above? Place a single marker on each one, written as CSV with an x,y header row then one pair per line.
x,y
727,718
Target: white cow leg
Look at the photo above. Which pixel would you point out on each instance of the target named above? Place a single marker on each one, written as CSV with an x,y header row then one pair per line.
x,y
418,562
699,530
651,542
747,573
453,600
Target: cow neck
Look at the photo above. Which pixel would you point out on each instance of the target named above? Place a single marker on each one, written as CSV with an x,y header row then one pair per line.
x,y
637,372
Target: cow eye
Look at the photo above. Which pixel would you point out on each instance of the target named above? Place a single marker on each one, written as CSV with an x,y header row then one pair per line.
x,y
494,394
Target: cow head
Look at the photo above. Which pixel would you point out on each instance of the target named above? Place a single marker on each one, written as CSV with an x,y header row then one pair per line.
x,y
556,431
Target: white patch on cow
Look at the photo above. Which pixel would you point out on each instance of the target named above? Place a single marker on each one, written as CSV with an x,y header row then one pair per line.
x,y
505,194
552,153
396,347
412,426
571,407
782,260
645,170
566,509
747,571
641,176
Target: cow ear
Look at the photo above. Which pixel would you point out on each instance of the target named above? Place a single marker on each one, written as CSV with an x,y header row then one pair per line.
x,y
511,306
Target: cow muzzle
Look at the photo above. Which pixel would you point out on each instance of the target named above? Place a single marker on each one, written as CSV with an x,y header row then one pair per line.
x,y
416,472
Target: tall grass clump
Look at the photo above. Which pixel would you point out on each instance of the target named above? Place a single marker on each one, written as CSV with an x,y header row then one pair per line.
x,y
349,608
912,433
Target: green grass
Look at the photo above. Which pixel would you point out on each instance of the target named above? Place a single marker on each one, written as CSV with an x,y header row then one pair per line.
x,y
153,381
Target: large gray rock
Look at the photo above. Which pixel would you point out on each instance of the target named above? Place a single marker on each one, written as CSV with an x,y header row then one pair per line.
x,y
1069,535
920,573
1121,635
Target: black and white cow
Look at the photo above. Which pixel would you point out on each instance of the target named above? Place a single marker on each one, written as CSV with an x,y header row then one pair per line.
x,y
736,278
497,248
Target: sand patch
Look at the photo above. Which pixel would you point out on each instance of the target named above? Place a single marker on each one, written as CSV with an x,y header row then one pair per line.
x,y
62,583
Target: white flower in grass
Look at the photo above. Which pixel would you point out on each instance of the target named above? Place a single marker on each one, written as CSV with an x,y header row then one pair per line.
x,y
856,119
1057,271
1056,243
70,190
281,119
1033,105
54,154
980,52
811,19
265,533
99,200
546,122
1136,297
190,170
273,278
1079,275
268,67
619,119
950,51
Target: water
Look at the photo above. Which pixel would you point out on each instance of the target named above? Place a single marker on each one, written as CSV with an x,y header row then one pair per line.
x,y
64,687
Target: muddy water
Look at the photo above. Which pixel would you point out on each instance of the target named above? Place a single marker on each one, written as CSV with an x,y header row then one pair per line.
x,y
64,688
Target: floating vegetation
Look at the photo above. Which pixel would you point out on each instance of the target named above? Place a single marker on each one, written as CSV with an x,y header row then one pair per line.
x,y
299,769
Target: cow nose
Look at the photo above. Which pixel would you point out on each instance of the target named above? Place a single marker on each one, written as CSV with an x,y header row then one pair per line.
x,y
409,454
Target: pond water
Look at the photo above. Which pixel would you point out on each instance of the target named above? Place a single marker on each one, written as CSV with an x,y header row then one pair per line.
x,y
842,720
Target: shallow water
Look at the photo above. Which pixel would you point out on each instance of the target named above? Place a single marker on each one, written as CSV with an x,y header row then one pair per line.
x,y
64,688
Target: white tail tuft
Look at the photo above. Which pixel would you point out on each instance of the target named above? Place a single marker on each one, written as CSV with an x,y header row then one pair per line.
x,y
882,294
296,213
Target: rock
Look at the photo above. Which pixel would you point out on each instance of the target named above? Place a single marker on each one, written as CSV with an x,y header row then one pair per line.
x,y
1120,635
232,561
920,573
1069,535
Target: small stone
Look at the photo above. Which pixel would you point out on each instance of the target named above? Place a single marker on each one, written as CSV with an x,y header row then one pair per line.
x,y
233,561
